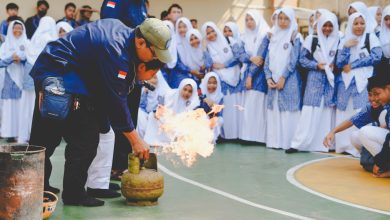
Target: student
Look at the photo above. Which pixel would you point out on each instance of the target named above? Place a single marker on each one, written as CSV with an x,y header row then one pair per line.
x,y
385,36
33,22
312,19
212,95
362,8
175,12
70,11
85,14
318,101
284,85
150,100
376,12
167,69
194,23
164,15
45,33
358,52
376,139
63,28
254,85
12,9
13,49
183,99
224,61
371,114
231,30
194,58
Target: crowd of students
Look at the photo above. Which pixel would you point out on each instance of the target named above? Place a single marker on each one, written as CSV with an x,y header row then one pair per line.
x,y
277,88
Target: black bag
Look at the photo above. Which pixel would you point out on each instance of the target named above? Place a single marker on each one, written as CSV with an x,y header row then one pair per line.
x,y
55,103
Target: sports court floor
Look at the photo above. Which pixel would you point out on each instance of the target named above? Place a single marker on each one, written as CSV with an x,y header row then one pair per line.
x,y
251,182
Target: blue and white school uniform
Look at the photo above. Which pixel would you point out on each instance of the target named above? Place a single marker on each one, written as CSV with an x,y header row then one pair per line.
x,y
283,105
219,51
45,33
318,111
352,92
216,97
180,71
384,37
194,59
373,10
253,118
149,102
13,81
174,102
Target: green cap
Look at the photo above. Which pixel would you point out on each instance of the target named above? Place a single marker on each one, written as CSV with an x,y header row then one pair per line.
x,y
158,35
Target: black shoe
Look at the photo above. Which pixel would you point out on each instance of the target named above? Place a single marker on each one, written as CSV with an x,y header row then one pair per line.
x,y
291,151
52,189
87,202
114,186
11,140
103,193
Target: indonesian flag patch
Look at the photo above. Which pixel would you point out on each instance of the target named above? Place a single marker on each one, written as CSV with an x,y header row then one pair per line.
x,y
111,4
122,74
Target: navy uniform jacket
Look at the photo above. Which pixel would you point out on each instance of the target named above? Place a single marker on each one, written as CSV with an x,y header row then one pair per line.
x,y
130,12
97,60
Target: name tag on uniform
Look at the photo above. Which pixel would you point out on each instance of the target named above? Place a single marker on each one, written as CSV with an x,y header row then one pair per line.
x,y
362,55
332,53
111,4
285,46
122,74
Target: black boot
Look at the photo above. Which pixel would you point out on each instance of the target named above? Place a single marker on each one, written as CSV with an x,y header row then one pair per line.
x,y
103,193
291,151
88,201
114,186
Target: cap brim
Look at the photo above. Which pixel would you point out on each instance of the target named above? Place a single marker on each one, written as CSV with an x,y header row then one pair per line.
x,y
163,55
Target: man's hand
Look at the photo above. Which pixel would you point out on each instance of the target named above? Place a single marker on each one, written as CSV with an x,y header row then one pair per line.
x,y
328,141
140,148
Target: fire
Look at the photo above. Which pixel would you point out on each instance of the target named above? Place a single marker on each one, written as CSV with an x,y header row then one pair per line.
x,y
189,133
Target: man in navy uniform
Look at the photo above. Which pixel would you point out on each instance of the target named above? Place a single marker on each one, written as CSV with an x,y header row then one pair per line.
x,y
99,64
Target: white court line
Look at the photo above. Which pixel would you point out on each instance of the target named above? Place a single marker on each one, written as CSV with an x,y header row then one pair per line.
x,y
230,196
290,177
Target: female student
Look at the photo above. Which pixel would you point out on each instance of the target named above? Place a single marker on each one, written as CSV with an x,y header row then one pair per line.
x,y
231,30
212,95
358,52
362,8
63,28
253,118
45,33
376,12
283,81
385,36
194,58
150,100
221,58
13,49
318,101
185,98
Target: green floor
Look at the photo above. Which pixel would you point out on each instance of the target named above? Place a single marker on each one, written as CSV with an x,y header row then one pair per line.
x,y
253,173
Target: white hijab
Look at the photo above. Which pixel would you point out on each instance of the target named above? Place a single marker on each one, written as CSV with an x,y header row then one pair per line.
x,y
11,46
362,8
327,46
173,45
65,26
373,11
253,38
176,103
385,33
215,96
221,52
162,88
360,74
194,59
311,29
181,46
45,33
235,30
280,46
